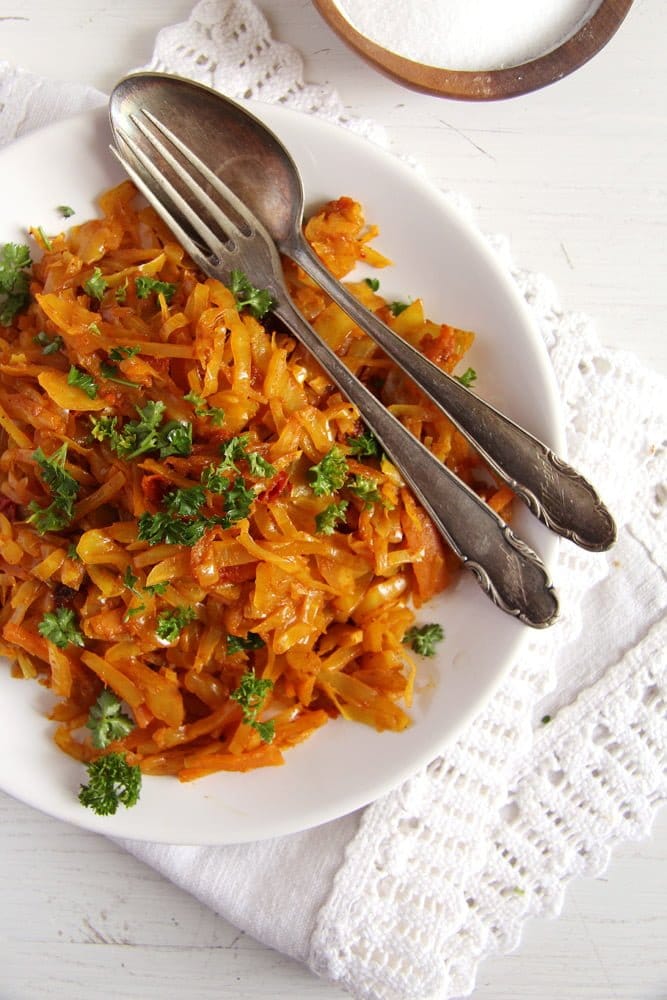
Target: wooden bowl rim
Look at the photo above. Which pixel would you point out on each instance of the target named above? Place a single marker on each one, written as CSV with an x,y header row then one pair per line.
x,y
491,85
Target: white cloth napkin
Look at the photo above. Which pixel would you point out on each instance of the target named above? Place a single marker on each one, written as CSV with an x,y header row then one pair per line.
x,y
398,902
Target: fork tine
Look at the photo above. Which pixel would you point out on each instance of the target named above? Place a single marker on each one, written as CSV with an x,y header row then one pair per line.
x,y
186,240
218,185
200,227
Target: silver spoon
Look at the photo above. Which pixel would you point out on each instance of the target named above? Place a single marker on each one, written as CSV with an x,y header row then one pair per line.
x,y
249,158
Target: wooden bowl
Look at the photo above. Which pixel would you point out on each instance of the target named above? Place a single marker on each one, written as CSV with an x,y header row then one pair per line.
x,y
491,85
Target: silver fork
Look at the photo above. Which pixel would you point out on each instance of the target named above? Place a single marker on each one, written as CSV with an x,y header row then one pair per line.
x,y
219,241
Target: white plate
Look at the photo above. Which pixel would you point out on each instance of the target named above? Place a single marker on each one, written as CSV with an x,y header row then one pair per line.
x,y
343,766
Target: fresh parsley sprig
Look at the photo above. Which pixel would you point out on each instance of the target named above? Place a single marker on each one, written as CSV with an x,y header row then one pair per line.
x,y
170,624
257,300
161,527
422,639
14,280
64,490
112,374
96,285
468,378
366,489
106,721
146,434
120,353
250,695
327,519
146,285
330,473
82,380
61,628
111,781
240,644
49,345
213,413
186,501
236,450
237,501
396,308
364,445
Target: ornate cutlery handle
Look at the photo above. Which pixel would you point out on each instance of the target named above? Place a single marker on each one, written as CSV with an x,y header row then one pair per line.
x,y
510,573
558,495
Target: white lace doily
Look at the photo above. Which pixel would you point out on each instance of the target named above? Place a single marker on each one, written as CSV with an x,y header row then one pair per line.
x,y
418,900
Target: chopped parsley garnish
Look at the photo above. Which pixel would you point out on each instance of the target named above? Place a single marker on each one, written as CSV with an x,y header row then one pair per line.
x,y
44,239
398,307
330,474
111,373
257,300
145,434
145,286
111,781
106,721
364,445
66,211
72,553
327,519
175,438
545,720
236,450
156,528
96,285
373,283
468,378
366,489
237,499
103,428
197,401
424,638
120,353
94,328
61,628
213,478
64,490
49,345
121,292
213,413
250,695
82,380
170,624
259,466
239,643
14,280
233,451
186,502
130,581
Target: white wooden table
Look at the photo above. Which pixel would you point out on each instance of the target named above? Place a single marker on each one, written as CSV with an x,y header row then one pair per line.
x,y
575,176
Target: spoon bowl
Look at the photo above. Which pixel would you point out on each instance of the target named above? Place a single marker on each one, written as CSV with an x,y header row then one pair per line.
x,y
238,147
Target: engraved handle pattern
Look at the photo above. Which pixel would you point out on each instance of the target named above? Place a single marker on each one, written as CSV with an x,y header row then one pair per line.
x,y
558,495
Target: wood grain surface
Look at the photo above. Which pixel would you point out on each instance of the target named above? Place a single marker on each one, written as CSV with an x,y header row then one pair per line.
x,y
488,85
574,176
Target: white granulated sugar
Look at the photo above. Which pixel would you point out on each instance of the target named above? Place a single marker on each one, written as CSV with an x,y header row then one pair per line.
x,y
468,34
